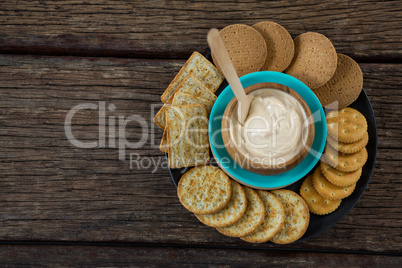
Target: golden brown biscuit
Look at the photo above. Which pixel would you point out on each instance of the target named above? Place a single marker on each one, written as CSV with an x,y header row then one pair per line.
x,y
340,178
348,148
314,61
346,125
317,204
344,86
345,162
246,48
327,189
280,46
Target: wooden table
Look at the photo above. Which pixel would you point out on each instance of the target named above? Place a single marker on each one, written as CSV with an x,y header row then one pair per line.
x,y
70,206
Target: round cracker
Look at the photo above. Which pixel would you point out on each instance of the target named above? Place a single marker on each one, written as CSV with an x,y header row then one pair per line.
x,y
314,61
297,217
204,190
345,162
344,86
229,214
280,45
246,48
340,178
250,220
317,204
327,189
346,125
273,219
348,148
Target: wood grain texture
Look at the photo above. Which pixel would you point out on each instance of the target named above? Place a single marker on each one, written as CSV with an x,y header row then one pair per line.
x,y
140,256
363,29
53,191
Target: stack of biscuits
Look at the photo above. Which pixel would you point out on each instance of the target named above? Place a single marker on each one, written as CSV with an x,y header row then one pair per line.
x,y
341,166
255,216
336,79
188,100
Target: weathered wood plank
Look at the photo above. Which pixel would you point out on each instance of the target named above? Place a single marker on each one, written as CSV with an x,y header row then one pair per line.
x,y
365,29
52,190
123,256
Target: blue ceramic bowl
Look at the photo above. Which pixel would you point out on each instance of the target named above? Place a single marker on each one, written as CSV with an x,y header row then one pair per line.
x,y
267,181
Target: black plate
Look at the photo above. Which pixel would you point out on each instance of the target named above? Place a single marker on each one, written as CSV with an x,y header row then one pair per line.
x,y
319,224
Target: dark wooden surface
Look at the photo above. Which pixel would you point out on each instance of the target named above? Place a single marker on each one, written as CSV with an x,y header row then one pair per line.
x,y
364,29
63,205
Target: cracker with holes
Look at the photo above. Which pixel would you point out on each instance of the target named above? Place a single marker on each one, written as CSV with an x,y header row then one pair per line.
x,y
280,45
246,47
273,219
346,125
345,162
251,219
329,190
314,61
340,178
297,217
317,204
344,86
231,213
204,190
348,148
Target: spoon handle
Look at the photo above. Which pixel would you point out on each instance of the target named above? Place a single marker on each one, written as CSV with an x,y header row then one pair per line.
x,y
221,55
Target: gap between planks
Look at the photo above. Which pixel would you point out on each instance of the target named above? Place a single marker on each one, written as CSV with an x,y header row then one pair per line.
x,y
191,246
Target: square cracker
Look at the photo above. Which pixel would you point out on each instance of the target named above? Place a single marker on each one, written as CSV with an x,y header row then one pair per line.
x,y
191,85
180,99
159,118
164,145
204,71
185,99
187,135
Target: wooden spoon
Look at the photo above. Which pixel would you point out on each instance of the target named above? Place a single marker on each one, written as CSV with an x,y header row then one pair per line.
x,y
221,55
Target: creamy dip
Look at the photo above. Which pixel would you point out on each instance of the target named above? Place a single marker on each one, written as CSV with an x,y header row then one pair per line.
x,y
272,131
